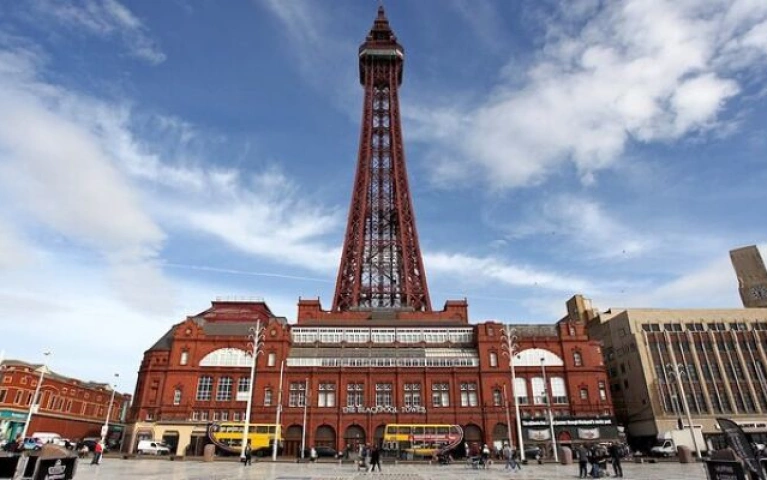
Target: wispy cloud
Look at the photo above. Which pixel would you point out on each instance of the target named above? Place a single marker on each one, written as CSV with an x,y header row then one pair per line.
x,y
105,18
621,71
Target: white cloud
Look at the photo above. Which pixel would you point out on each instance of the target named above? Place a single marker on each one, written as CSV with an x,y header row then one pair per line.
x,y
105,18
496,269
647,70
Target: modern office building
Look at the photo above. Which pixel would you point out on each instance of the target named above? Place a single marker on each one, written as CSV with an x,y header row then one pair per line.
x,y
380,355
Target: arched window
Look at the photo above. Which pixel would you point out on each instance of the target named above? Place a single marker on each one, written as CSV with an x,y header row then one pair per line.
x,y
497,398
531,357
227,357
577,359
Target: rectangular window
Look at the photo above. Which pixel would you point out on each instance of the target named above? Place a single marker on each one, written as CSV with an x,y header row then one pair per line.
x,y
271,359
184,357
215,416
497,398
243,389
195,416
204,416
177,396
268,397
327,395
412,394
224,416
3,393
493,359
236,416
469,395
355,394
297,396
602,391
204,388
440,394
19,396
383,394
584,394
224,392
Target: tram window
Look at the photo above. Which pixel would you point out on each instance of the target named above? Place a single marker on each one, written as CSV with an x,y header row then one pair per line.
x,y
262,429
430,431
390,430
417,430
442,430
272,428
404,430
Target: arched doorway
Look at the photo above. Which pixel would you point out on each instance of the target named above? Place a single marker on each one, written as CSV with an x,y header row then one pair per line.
x,y
325,436
353,437
472,435
378,435
292,440
500,435
564,438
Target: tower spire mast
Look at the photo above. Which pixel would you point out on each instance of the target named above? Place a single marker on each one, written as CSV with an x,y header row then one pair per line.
x,y
381,264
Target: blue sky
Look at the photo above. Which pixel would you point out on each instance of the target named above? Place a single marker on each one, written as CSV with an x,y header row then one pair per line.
x,y
157,155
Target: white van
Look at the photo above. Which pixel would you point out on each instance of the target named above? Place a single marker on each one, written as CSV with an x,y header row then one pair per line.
x,y
48,437
152,447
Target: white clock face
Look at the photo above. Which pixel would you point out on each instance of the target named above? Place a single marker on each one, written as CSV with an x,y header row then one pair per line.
x,y
759,292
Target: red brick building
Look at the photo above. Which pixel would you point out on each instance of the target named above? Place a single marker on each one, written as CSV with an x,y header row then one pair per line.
x,y
72,408
380,355
364,370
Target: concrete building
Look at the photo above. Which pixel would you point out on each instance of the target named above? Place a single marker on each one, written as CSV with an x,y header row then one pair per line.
x,y
70,407
752,276
658,360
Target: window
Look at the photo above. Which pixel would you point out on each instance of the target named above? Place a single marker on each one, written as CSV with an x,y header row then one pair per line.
x,y
204,388
271,360
520,391
383,394
227,357
440,396
18,396
355,396
497,398
493,359
3,393
184,357
224,416
236,417
224,393
558,390
539,390
577,359
297,396
204,416
195,416
584,393
177,396
412,394
469,395
602,391
215,416
267,397
243,389
327,395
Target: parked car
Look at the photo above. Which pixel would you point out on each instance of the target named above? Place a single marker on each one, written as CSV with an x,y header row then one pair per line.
x,y
33,443
533,453
322,451
152,447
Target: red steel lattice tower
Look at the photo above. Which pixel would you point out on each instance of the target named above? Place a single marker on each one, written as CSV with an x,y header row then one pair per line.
x,y
381,264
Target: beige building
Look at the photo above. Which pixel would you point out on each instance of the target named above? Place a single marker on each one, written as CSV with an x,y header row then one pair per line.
x,y
752,276
663,362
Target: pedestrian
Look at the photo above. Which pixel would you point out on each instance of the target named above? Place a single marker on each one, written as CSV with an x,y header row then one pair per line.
x,y
485,455
615,455
375,459
583,461
248,455
313,454
507,455
98,449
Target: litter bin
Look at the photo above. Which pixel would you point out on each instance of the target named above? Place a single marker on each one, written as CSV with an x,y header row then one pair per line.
x,y
684,454
565,455
209,453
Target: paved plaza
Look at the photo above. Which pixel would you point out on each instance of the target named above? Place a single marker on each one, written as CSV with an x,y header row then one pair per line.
x,y
155,469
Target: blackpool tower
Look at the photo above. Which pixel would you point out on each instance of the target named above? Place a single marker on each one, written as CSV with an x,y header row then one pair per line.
x,y
381,265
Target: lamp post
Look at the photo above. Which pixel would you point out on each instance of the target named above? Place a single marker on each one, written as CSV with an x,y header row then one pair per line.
x,y
256,337
278,425
303,430
33,406
551,414
105,428
508,417
676,370
510,349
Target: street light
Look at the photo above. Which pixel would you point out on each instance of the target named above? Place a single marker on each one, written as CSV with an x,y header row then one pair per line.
x,y
256,337
33,406
676,370
105,428
510,349
278,425
548,404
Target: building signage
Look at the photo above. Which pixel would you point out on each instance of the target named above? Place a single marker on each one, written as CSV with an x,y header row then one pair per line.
x,y
384,409
569,422
725,470
7,414
56,468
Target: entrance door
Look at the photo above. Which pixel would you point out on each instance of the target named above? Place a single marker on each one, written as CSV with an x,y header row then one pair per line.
x,y
292,441
325,436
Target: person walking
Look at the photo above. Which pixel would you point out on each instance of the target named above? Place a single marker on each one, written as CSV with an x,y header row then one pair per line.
x,y
313,454
375,459
248,455
98,450
615,456
507,455
583,461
